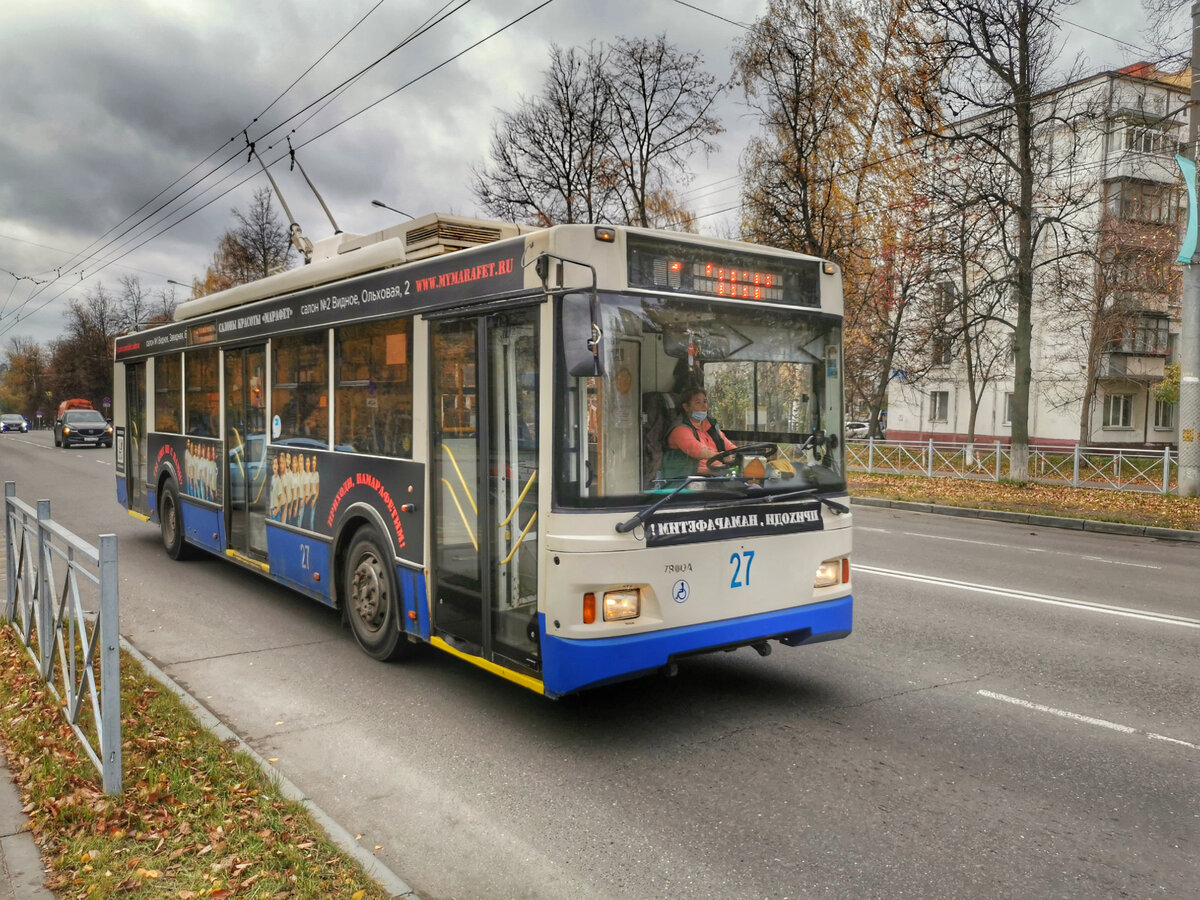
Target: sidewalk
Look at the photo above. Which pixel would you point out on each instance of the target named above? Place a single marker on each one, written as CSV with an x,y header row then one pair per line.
x,y
21,871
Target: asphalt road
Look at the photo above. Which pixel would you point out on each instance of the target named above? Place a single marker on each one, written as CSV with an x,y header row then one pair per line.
x,y
1017,714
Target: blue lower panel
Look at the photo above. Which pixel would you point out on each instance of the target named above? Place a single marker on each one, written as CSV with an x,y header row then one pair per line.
x,y
203,526
569,665
412,594
300,561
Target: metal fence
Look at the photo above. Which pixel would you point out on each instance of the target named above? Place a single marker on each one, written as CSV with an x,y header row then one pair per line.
x,y
52,577
1096,467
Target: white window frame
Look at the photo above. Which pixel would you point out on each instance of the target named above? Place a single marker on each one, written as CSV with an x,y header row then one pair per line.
x,y
1122,406
1008,408
1164,415
939,399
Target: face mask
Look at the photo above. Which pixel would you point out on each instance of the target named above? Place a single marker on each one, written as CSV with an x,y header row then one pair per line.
x,y
698,415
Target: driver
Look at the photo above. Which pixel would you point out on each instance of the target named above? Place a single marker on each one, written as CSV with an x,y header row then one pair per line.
x,y
698,439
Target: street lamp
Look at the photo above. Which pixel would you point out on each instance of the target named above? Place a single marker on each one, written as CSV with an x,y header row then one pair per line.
x,y
383,205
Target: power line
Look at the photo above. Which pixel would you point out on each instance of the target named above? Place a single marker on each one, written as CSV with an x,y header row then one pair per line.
x,y
429,23
278,159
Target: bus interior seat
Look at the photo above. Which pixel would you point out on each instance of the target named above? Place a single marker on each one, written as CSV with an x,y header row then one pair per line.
x,y
659,416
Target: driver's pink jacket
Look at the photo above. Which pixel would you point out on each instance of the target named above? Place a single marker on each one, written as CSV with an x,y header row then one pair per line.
x,y
681,438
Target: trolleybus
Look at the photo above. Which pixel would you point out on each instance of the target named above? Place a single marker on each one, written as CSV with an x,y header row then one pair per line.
x,y
456,432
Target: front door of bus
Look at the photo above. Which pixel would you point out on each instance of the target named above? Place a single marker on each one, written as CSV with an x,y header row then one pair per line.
x,y
246,450
483,374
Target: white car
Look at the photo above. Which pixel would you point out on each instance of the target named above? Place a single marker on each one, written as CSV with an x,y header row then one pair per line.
x,y
857,429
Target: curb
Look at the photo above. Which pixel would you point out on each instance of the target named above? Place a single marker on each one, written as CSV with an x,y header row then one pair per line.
x,y
999,515
393,884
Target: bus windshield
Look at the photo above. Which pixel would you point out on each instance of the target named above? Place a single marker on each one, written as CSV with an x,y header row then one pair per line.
x,y
771,376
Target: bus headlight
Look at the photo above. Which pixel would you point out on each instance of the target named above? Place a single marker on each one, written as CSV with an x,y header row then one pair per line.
x,y
626,604
831,572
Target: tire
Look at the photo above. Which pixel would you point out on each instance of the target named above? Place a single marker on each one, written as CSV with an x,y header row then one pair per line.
x,y
170,522
371,599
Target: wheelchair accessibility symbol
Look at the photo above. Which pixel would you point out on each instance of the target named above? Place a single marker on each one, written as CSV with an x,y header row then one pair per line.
x,y
681,591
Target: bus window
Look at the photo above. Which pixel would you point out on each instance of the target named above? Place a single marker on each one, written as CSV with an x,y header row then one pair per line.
x,y
202,392
373,404
300,392
168,393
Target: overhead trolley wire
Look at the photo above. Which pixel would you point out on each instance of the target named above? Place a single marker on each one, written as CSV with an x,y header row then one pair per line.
x,y
371,105
428,24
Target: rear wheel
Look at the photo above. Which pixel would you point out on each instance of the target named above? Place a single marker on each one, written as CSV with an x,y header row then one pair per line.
x,y
372,600
170,522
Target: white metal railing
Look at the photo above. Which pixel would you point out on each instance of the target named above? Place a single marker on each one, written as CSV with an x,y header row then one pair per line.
x,y
50,574
1116,468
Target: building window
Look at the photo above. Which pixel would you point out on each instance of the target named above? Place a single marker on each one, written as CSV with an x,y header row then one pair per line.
x,y
943,350
1164,414
1008,407
1143,336
1118,411
939,406
1141,139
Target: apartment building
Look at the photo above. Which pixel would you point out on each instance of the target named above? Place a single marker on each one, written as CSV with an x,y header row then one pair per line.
x,y
1097,355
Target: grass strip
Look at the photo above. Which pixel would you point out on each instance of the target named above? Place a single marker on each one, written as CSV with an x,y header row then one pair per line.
x,y
1129,507
196,819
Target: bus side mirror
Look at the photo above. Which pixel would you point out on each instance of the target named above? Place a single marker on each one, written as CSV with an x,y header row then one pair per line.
x,y
581,337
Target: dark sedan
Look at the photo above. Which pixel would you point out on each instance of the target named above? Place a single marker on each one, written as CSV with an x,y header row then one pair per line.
x,y
82,426
13,422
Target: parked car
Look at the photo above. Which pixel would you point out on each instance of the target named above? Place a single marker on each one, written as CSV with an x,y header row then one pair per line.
x,y
857,429
13,422
82,426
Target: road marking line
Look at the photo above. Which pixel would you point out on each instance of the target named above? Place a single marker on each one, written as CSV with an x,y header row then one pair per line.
x,y
939,537
1087,606
1117,562
1086,720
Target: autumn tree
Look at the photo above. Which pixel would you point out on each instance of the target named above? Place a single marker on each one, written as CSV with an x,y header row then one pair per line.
x,y
609,138
22,385
258,246
549,158
997,61
830,172
661,100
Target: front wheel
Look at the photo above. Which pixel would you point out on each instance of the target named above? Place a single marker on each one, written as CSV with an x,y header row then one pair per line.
x,y
170,522
372,600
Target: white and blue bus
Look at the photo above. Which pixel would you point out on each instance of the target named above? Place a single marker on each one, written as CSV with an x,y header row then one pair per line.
x,y
456,432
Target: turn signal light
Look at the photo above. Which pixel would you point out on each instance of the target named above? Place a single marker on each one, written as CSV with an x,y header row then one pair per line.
x,y
589,609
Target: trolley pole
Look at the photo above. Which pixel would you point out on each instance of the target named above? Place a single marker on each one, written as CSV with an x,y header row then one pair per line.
x,y
1189,337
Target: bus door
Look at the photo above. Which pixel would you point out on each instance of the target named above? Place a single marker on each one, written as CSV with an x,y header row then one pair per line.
x,y
135,436
246,450
483,375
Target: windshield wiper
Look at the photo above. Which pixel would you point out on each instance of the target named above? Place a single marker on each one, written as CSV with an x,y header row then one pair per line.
x,y
630,524
790,495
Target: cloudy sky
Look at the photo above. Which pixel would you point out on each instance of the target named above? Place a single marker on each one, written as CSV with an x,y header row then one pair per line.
x,y
110,108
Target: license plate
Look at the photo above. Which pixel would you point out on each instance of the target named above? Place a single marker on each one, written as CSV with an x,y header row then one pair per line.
x,y
91,440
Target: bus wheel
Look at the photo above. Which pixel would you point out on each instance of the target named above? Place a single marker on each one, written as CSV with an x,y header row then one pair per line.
x,y
170,521
372,599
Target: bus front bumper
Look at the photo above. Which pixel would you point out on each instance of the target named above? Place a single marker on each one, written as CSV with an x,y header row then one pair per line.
x,y
570,665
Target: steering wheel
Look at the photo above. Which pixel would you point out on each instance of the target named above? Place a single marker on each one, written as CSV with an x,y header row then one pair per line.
x,y
725,457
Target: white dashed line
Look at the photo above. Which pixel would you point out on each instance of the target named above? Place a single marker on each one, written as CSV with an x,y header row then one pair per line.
x,y
1085,720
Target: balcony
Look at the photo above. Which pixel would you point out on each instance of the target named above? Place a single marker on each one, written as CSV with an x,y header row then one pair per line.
x,y
1132,367
1140,166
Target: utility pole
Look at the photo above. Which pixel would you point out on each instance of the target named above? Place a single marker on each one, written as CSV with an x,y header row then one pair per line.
x,y
1189,337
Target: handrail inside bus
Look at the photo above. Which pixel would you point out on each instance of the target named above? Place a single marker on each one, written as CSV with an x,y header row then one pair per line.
x,y
520,540
512,512
462,514
461,478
